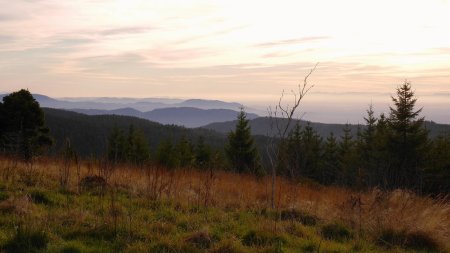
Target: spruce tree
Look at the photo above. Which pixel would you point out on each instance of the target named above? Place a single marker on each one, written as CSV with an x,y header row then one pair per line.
x,y
293,152
203,154
408,139
366,148
302,150
346,158
117,145
137,148
22,127
166,155
185,152
330,164
240,149
437,173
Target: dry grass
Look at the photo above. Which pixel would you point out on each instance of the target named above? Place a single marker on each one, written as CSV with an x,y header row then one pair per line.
x,y
372,212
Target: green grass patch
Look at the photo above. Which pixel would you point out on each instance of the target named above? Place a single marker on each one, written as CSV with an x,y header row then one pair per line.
x,y
261,239
40,197
337,232
300,216
26,241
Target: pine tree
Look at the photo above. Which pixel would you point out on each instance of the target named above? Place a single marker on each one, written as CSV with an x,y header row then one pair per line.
x,y
22,127
367,149
330,164
185,152
293,152
166,155
346,158
203,154
117,145
408,139
240,149
302,150
137,148
437,173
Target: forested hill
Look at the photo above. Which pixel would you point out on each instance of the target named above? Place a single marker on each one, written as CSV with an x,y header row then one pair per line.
x,y
89,134
262,126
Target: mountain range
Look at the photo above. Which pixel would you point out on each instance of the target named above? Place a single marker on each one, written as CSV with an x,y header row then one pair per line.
x,y
263,126
188,113
88,134
182,116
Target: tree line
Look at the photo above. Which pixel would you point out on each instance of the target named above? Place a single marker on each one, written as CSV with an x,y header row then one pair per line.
x,y
389,151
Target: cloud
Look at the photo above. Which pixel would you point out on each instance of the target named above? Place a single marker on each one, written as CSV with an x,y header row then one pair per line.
x,y
277,55
7,17
6,39
125,30
292,41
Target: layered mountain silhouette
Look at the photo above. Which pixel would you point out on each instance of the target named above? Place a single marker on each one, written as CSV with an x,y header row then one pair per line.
x,y
267,127
189,113
183,116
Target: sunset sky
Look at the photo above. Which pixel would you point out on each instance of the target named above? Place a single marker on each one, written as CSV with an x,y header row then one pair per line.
x,y
241,51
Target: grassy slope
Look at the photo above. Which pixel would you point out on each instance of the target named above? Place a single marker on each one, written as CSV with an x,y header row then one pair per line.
x,y
190,211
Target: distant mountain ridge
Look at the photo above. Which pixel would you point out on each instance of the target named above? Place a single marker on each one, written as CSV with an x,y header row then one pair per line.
x,y
262,126
183,116
89,134
189,113
140,104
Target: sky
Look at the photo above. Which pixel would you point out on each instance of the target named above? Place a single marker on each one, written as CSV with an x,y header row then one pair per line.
x,y
241,51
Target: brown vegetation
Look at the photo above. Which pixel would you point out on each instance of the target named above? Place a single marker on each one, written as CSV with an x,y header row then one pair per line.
x,y
383,216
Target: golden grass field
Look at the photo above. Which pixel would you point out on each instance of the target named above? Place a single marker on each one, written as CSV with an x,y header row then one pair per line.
x,y
368,214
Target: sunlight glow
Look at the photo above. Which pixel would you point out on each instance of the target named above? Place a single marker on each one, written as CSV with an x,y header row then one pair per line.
x,y
213,48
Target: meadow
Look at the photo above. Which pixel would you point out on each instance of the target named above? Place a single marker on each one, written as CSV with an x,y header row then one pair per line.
x,y
53,205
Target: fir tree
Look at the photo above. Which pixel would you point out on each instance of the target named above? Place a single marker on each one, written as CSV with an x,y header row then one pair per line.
x,y
166,155
330,164
203,154
367,149
346,158
117,145
240,149
22,128
185,152
408,139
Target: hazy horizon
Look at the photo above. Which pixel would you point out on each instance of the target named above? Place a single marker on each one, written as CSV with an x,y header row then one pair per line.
x,y
238,51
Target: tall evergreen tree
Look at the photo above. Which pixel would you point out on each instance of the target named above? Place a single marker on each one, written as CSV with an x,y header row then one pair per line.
x,y
117,145
132,148
293,152
382,173
138,149
437,173
346,158
240,149
303,148
22,129
203,154
185,152
312,151
408,139
330,161
166,155
367,149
